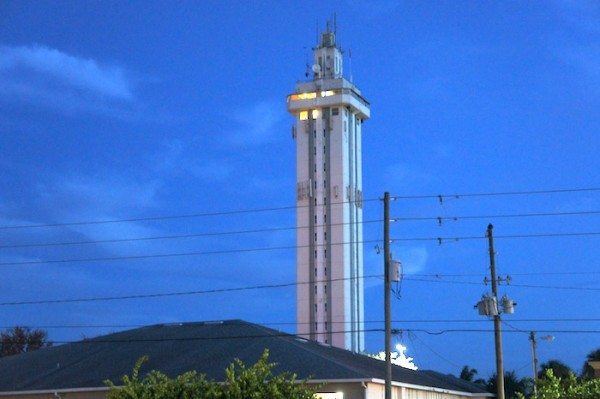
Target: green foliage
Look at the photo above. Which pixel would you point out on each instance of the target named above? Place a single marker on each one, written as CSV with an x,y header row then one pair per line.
x,y
588,371
553,387
559,369
241,382
22,339
513,385
468,374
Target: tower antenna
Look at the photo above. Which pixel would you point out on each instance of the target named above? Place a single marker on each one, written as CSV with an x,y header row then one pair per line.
x,y
317,32
335,23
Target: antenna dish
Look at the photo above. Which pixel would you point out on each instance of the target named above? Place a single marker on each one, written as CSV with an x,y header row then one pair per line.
x,y
316,68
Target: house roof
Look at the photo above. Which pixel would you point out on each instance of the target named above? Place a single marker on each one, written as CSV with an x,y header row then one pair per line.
x,y
206,347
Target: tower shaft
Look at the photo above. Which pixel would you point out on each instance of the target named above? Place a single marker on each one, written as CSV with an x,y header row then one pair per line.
x,y
329,113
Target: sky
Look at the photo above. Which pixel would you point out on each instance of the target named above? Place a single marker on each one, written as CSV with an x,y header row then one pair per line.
x,y
148,167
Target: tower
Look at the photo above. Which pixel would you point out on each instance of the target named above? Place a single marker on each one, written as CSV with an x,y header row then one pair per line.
x,y
329,112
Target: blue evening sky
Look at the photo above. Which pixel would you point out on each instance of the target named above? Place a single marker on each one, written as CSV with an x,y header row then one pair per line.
x,y
137,112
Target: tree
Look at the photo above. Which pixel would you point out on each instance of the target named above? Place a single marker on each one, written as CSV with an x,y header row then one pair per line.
x,y
468,374
241,382
551,387
22,339
513,385
588,371
559,369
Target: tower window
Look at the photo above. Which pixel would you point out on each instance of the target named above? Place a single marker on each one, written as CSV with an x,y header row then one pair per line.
x,y
315,290
315,254
335,111
325,253
303,115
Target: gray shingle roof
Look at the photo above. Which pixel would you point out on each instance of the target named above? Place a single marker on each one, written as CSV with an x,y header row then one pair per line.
x,y
209,348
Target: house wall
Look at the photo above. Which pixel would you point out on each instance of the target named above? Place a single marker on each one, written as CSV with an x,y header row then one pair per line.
x,y
350,390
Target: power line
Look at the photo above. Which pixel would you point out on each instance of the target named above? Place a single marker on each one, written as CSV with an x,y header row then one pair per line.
x,y
103,340
171,237
284,208
440,240
169,217
441,197
158,256
439,219
172,294
511,284
478,321
277,229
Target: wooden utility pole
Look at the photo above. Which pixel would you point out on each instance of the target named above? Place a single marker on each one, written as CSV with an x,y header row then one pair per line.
x,y
386,298
497,332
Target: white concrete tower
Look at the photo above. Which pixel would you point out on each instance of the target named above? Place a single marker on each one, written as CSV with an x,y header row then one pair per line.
x,y
329,113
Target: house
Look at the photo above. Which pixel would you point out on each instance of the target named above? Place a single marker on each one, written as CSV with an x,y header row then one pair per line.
x,y
78,370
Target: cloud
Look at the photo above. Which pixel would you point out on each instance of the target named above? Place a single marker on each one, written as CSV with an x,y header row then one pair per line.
x,y
402,174
83,197
413,259
84,74
42,75
258,123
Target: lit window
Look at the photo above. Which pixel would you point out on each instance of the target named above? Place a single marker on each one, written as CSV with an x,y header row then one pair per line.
x,y
315,113
303,96
303,115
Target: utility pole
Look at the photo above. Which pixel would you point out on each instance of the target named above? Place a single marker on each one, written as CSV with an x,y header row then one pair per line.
x,y
386,298
535,360
497,332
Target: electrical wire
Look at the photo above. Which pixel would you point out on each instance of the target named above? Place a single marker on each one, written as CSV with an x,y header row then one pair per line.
x,y
173,294
495,194
285,208
198,235
439,219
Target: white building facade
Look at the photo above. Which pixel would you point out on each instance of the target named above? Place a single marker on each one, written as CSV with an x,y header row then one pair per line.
x,y
329,113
